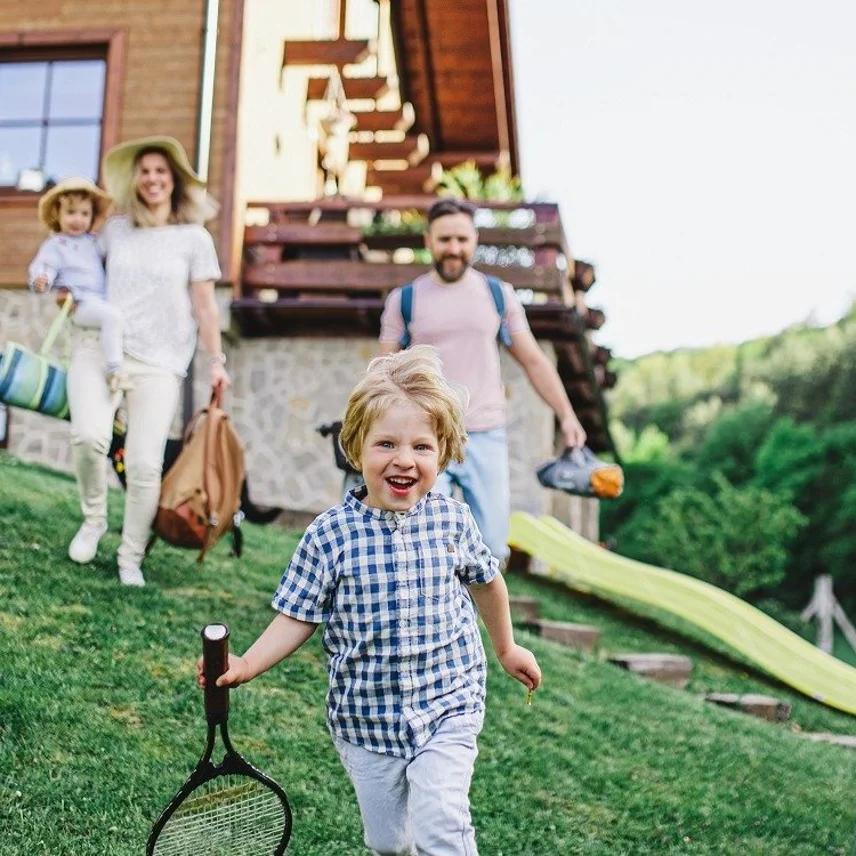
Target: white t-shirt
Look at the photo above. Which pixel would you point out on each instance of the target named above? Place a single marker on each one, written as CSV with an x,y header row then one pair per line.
x,y
149,271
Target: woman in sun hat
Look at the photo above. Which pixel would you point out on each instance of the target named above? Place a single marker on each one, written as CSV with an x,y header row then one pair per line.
x,y
161,269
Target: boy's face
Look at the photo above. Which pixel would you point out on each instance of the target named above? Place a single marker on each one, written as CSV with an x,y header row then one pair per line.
x,y
75,215
400,458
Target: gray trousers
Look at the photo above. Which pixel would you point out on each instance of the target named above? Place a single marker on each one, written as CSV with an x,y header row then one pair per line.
x,y
420,806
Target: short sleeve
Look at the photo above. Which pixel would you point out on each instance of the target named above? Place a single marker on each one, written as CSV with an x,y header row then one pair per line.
x,y
306,589
391,322
515,314
106,235
203,257
478,565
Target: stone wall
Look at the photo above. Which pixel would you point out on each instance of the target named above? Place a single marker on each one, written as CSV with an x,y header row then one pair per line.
x,y
282,390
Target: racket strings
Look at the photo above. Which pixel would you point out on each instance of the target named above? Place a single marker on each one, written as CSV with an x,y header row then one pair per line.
x,y
228,816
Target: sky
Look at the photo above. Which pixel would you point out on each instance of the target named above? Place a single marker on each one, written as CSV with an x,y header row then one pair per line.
x,y
703,155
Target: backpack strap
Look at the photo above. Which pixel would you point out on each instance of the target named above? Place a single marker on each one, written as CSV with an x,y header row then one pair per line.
x,y
406,313
504,334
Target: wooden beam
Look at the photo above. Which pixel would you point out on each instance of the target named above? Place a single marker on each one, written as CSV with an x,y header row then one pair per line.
x,y
356,88
336,52
600,355
594,318
533,237
413,148
302,234
583,277
421,202
398,181
341,315
345,276
386,120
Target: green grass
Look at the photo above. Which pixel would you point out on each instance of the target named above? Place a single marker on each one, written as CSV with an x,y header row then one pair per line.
x,y
100,719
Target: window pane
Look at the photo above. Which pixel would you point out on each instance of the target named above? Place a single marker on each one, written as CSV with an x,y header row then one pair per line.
x,y
19,149
77,89
72,151
22,90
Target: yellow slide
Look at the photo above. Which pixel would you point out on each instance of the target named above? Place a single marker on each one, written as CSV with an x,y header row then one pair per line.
x,y
790,658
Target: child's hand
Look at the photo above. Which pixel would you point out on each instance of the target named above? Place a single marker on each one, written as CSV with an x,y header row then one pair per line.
x,y
41,283
238,673
521,664
61,295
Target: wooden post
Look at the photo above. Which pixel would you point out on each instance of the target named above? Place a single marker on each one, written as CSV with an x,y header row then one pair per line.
x,y
824,607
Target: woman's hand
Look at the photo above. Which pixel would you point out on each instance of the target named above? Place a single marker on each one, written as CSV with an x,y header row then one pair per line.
x,y
219,377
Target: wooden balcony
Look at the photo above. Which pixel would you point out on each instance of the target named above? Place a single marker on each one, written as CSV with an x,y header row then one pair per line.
x,y
324,269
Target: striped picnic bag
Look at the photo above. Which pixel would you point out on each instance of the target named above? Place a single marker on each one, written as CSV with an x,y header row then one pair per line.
x,y
36,380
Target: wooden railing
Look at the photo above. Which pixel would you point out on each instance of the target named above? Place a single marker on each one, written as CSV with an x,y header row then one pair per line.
x,y
336,249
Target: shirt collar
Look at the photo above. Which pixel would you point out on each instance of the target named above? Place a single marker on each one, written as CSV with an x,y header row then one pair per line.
x,y
355,497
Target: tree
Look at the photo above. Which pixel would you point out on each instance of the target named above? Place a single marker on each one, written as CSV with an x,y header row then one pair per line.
x,y
732,441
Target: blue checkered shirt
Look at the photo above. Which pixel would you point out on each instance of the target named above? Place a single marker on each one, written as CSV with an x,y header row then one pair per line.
x,y
401,635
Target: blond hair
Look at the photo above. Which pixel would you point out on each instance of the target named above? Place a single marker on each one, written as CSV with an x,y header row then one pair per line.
x,y
50,215
189,202
415,376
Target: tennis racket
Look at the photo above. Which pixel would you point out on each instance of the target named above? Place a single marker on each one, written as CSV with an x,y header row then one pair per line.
x,y
225,809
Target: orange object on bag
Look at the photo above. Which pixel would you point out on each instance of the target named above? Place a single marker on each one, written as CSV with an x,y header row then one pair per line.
x,y
201,493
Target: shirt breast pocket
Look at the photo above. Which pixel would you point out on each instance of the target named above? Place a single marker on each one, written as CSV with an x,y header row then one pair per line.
x,y
438,580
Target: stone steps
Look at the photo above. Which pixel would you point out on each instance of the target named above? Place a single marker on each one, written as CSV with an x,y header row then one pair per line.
x,y
582,637
524,609
762,706
674,670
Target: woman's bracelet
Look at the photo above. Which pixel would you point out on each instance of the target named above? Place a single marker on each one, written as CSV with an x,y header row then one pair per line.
x,y
218,360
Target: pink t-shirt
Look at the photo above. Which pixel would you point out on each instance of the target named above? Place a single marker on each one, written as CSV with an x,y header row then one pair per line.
x,y
460,320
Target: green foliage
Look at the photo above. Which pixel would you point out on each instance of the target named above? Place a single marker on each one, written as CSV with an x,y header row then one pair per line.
x,y
736,538
731,442
645,483
777,414
650,445
466,180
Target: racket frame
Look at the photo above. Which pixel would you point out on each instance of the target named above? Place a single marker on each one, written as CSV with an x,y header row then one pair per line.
x,y
215,660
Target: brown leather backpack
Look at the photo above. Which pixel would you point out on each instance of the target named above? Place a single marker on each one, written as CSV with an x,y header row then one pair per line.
x,y
201,493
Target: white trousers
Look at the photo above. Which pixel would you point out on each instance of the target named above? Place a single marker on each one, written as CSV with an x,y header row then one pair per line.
x,y
421,806
151,406
96,312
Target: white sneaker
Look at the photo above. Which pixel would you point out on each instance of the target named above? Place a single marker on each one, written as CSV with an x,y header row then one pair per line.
x,y
84,545
131,576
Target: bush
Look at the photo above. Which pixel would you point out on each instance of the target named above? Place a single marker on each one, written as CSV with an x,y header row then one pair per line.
x,y
736,538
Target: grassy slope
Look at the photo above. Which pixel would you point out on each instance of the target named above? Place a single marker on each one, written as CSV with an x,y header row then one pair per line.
x,y
100,721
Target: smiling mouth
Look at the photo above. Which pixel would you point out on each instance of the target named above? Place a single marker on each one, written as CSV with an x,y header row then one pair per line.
x,y
401,484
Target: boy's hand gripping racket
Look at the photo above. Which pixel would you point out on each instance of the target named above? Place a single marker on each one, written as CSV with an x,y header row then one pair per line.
x,y
225,809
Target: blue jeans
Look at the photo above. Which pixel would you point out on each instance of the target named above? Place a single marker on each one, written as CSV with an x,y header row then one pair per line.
x,y
483,478
421,806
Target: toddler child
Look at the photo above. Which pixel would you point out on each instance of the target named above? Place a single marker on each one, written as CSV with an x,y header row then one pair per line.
x,y
391,571
70,259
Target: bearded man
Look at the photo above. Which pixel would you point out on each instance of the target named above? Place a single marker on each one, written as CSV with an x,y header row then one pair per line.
x,y
465,316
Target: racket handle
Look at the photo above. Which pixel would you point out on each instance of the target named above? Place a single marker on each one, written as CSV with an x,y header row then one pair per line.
x,y
215,661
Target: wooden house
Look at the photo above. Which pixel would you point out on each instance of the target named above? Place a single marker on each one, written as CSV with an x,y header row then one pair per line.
x,y
323,129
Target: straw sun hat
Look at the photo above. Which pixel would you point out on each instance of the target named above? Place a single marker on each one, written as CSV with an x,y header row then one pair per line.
x,y
49,210
118,169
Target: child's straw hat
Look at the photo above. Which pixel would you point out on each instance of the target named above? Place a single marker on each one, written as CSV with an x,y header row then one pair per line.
x,y
49,210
